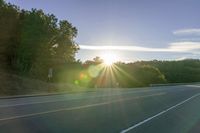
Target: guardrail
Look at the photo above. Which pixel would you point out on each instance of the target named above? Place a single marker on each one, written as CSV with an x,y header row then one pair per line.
x,y
173,84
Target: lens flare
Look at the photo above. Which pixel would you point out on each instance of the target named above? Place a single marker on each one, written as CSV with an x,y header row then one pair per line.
x,y
94,71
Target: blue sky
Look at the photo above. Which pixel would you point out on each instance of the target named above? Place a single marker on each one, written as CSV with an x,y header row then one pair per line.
x,y
132,29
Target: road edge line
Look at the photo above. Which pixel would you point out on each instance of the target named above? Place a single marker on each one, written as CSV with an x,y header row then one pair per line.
x,y
162,112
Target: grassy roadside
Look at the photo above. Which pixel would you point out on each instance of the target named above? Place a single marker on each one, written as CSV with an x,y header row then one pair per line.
x,y
11,85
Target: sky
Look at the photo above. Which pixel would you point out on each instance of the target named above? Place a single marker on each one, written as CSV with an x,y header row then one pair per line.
x,y
130,29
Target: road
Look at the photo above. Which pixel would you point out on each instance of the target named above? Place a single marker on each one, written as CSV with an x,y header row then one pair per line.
x,y
166,109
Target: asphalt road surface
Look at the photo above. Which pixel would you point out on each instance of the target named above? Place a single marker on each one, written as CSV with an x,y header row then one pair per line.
x,y
166,109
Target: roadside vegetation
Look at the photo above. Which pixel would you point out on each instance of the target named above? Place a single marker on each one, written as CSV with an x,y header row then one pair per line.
x,y
32,43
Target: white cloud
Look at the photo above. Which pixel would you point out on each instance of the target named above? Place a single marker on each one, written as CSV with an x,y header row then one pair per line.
x,y
181,58
192,31
187,47
125,48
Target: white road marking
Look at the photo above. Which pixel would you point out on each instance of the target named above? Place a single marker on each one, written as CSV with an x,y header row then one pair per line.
x,y
197,86
61,100
79,107
162,112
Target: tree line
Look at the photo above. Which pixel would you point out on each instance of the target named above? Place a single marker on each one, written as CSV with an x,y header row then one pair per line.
x,y
93,73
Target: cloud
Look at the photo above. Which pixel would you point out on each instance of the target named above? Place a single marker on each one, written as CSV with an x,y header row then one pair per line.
x,y
192,31
184,46
123,48
181,58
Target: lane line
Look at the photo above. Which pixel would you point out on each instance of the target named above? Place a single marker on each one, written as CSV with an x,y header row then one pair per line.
x,y
162,112
197,86
61,100
79,107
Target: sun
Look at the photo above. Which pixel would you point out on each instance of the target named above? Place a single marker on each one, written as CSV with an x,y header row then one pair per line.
x,y
108,62
109,58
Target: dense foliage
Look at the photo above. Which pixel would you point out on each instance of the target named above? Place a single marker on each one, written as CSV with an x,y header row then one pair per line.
x,y
32,41
183,71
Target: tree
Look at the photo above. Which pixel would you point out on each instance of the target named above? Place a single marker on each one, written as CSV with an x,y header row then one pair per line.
x,y
95,61
35,30
9,21
32,41
66,47
149,75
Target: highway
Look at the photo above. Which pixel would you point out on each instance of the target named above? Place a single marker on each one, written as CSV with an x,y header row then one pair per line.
x,y
164,109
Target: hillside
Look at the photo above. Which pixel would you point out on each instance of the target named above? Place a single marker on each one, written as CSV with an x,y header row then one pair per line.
x,y
12,84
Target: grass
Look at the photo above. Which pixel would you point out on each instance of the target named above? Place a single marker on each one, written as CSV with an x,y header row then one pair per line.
x,y
11,84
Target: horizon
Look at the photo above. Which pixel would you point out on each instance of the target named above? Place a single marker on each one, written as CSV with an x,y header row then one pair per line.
x,y
132,30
